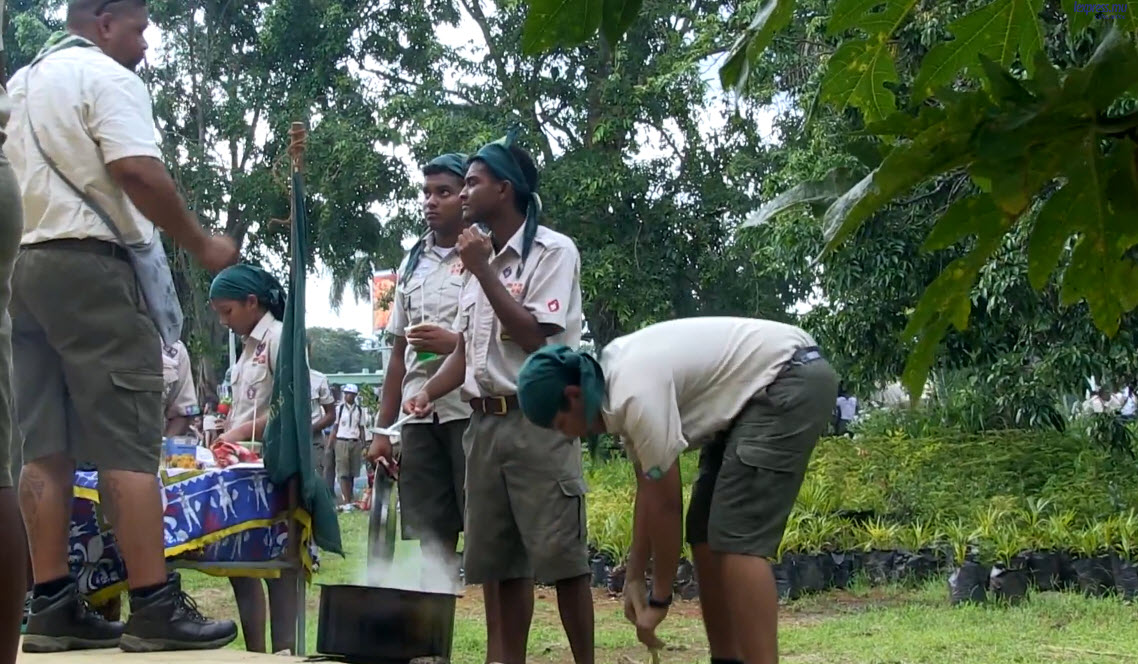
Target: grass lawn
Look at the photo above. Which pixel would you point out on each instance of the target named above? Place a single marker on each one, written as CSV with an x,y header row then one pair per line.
x,y
863,626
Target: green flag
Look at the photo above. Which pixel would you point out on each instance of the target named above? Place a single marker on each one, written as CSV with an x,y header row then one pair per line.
x,y
288,437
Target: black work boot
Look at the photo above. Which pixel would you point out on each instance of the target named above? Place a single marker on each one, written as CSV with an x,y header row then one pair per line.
x,y
64,622
169,620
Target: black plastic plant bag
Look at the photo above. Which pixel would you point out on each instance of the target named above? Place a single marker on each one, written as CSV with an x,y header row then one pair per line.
x,y
879,566
1094,575
1068,578
600,569
785,579
968,584
616,580
915,567
1125,577
1045,569
841,570
808,572
685,584
1008,585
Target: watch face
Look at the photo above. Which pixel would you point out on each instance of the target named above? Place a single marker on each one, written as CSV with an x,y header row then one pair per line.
x,y
654,473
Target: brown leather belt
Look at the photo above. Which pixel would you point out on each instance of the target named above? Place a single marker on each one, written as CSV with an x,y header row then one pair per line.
x,y
495,405
85,245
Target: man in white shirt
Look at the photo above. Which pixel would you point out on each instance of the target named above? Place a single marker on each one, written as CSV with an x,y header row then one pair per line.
x,y
847,411
86,348
754,396
350,436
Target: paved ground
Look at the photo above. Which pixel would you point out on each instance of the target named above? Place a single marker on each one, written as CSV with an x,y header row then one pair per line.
x,y
116,656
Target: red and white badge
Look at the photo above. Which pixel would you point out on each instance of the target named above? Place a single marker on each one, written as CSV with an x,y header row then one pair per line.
x,y
553,305
456,268
515,288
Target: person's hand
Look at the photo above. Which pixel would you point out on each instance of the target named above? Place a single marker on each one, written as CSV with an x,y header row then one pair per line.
x,y
646,623
431,338
381,453
640,614
474,249
419,405
217,253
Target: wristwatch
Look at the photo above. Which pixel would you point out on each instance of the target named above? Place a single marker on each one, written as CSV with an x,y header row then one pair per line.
x,y
659,603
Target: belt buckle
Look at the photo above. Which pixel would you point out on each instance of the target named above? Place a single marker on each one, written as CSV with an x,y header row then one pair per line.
x,y
501,401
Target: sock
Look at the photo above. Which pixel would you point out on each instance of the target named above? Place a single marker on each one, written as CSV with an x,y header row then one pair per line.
x,y
51,588
147,592
724,660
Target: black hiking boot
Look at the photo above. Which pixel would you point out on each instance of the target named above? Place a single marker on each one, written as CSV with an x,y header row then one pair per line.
x,y
64,622
169,620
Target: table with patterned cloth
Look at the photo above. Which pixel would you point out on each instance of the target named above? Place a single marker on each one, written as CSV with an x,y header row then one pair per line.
x,y
226,522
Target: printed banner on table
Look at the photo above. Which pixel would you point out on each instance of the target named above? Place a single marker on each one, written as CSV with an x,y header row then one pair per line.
x,y
216,516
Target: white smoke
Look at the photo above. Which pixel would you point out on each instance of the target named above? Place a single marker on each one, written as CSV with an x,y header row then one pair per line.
x,y
425,568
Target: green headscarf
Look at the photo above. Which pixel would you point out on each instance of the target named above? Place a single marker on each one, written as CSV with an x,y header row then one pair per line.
x,y
501,162
452,162
238,282
546,374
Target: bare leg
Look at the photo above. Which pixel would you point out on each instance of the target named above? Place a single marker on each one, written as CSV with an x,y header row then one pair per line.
x,y
345,490
713,604
251,608
516,612
45,502
139,530
282,611
12,558
753,602
492,601
575,603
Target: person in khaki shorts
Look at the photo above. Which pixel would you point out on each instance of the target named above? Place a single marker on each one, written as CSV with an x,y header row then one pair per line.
x,y
754,396
323,415
12,555
86,349
432,464
525,490
349,437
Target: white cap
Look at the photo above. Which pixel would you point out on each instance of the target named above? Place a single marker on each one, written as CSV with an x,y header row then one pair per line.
x,y
351,389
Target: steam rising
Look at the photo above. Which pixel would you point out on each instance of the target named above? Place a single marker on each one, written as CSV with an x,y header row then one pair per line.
x,y
423,569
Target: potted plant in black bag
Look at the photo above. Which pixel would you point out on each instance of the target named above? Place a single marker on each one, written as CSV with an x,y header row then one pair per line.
x,y
879,541
1124,555
968,582
1008,580
1092,560
917,559
786,581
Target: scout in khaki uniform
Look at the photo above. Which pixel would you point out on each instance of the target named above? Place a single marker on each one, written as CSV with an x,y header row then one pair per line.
x,y
349,437
323,415
178,391
13,553
90,308
525,491
753,396
432,465
251,302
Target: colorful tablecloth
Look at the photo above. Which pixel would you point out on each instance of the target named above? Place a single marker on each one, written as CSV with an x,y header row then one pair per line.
x,y
216,516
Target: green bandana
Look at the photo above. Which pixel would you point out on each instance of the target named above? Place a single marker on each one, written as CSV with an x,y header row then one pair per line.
x,y
546,374
501,162
60,40
452,162
240,281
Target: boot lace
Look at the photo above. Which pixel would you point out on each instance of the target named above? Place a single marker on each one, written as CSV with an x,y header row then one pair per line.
x,y
186,607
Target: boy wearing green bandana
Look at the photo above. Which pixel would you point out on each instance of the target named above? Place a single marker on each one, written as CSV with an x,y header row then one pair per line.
x,y
525,506
753,396
432,466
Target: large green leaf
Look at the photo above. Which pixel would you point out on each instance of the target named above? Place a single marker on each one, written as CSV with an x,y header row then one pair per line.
x,y
825,190
998,30
552,23
1077,21
859,14
856,75
618,17
772,16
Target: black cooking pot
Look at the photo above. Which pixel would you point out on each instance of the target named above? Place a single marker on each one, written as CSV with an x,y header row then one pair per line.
x,y
367,625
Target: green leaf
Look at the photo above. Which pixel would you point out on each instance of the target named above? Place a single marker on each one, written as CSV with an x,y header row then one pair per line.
x,y
1050,232
1113,68
1006,89
618,17
998,30
966,217
858,14
772,16
1076,21
552,23
826,190
856,75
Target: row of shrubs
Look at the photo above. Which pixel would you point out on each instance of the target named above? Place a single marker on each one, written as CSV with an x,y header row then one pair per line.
x,y
1042,509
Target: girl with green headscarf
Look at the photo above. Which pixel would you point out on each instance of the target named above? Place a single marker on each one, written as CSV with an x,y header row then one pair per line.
x,y
250,301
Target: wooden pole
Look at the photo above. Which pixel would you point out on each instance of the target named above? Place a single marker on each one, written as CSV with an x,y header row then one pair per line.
x,y
298,138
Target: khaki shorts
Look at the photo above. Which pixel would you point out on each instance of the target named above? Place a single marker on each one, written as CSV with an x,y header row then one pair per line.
x,y
349,458
318,454
11,224
749,477
432,473
87,358
525,502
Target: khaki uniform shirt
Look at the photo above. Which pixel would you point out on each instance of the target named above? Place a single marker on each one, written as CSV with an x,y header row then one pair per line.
x,y
321,394
430,296
179,395
678,383
89,111
351,421
549,288
253,374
